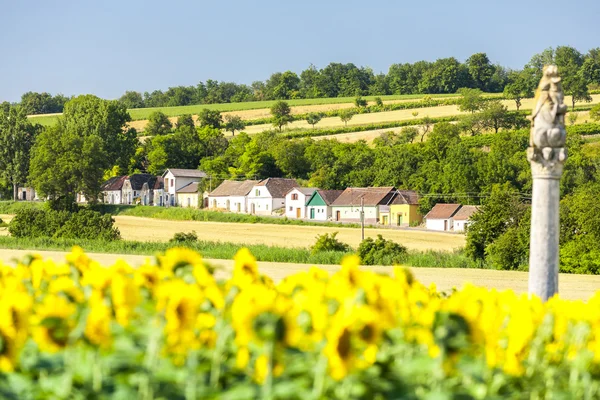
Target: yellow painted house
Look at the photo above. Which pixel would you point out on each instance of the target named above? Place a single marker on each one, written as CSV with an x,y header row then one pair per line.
x,y
401,210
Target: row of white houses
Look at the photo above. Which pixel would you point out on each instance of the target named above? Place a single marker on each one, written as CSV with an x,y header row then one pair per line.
x,y
280,196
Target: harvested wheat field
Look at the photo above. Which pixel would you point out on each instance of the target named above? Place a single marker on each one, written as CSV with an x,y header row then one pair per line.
x,y
571,286
148,229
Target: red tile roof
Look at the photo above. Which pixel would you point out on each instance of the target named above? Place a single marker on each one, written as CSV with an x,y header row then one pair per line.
x,y
371,196
442,211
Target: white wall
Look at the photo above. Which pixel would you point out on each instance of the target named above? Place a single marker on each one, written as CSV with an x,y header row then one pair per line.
x,y
112,196
352,214
176,183
322,213
291,206
438,224
461,225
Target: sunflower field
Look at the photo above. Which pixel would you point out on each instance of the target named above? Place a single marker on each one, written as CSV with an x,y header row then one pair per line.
x,y
169,329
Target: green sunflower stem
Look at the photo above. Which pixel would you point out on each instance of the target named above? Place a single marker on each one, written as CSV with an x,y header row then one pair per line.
x,y
145,390
215,365
97,372
319,380
192,367
267,387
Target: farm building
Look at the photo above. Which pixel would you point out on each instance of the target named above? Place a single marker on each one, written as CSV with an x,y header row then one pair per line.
x,y
188,195
132,187
440,218
151,193
295,201
269,195
231,196
404,208
347,207
462,218
175,179
318,206
111,190
26,193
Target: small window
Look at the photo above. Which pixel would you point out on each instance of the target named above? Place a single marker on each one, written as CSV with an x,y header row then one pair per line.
x,y
267,206
172,182
257,192
294,196
291,208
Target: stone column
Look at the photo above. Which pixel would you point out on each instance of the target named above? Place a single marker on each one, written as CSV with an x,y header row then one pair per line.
x,y
547,155
543,253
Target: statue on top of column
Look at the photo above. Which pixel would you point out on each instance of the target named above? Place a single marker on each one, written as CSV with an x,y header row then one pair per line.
x,y
548,134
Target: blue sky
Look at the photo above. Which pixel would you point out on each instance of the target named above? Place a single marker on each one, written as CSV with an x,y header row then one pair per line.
x,y
106,47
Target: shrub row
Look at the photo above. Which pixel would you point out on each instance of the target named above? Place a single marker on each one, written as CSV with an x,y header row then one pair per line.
x,y
83,224
584,129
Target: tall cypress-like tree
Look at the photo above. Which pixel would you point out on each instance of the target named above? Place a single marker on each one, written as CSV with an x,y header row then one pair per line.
x,y
17,136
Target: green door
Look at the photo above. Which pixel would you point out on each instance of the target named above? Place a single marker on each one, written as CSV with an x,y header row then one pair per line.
x,y
399,219
312,213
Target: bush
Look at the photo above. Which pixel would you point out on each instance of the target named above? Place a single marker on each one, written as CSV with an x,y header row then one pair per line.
x,y
329,242
88,224
84,224
380,251
182,237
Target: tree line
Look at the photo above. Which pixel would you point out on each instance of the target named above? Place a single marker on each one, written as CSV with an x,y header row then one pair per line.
x,y
445,75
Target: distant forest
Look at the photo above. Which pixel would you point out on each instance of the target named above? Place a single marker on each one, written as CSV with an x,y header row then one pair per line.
x,y
445,75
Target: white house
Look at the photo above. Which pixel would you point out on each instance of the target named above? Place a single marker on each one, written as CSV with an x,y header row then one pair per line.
x,y
269,195
349,205
295,201
111,190
151,193
440,218
188,195
131,192
175,179
231,196
462,219
318,206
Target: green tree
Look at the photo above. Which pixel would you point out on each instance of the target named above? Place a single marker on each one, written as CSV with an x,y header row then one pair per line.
x,y
378,102
480,70
495,115
359,102
346,115
17,137
73,156
471,100
234,123
578,89
519,87
185,120
210,118
499,212
158,124
132,99
314,118
427,123
282,114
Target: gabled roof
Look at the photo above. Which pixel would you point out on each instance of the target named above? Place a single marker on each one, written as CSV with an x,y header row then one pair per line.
x,y
405,197
191,187
159,183
114,183
138,180
278,187
233,188
442,211
371,196
304,190
465,213
329,196
185,173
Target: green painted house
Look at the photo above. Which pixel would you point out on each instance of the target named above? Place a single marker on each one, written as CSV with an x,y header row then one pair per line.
x,y
318,206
